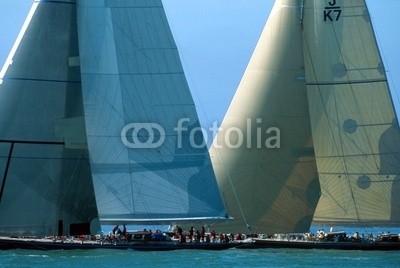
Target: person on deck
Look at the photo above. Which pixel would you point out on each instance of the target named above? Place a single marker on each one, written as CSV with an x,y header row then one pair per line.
x,y
208,238
124,230
239,236
117,232
213,236
115,229
191,232
182,237
221,237
232,237
203,233
179,231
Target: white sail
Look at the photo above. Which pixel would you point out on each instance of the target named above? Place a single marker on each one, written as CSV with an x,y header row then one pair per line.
x,y
354,125
145,168
268,185
46,186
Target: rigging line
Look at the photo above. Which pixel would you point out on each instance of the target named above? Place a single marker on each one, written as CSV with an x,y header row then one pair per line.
x,y
192,85
396,93
194,88
259,226
66,190
220,159
3,184
382,55
301,12
132,186
78,162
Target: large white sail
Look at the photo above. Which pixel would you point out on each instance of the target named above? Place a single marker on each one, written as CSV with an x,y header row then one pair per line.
x,y
263,155
46,186
143,131
354,125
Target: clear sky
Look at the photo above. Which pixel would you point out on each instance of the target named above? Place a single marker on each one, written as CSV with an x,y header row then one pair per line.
x,y
216,38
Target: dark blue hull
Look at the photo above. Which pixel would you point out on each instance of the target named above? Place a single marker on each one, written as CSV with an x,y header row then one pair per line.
x,y
348,245
35,244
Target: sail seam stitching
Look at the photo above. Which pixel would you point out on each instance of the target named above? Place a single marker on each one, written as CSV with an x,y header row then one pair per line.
x,y
42,80
346,82
32,142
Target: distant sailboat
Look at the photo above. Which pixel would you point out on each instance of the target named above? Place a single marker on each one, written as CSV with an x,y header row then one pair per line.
x,y
80,94
317,75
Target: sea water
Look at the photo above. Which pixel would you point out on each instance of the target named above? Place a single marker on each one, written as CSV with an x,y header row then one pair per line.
x,y
200,258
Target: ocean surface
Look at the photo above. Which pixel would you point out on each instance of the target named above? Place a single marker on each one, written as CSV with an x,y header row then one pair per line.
x,y
197,258
200,258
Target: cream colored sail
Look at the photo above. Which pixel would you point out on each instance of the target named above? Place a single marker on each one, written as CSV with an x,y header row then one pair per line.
x,y
263,156
354,125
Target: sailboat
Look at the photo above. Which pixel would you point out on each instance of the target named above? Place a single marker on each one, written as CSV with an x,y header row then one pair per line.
x,y
90,95
317,76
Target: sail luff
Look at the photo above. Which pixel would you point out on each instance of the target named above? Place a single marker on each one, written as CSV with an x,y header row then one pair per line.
x,y
21,34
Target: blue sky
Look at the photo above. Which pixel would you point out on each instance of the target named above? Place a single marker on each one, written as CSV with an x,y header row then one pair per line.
x,y
216,39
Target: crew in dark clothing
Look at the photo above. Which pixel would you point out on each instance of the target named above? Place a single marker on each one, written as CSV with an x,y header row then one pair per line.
x,y
203,233
198,235
191,232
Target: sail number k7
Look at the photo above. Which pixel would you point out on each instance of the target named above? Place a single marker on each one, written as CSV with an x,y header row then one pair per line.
x,y
332,12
